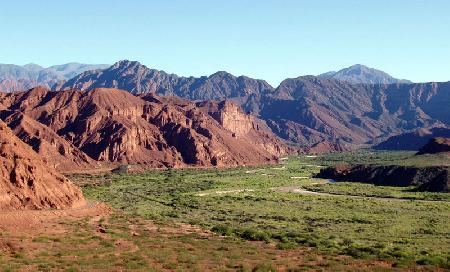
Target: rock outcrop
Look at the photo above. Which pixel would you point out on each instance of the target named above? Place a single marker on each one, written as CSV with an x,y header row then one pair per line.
x,y
26,182
436,145
434,179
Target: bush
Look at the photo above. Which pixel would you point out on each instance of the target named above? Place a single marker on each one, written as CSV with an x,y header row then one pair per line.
x,y
223,230
255,235
434,260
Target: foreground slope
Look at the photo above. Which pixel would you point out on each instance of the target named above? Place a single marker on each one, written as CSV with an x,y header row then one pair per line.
x,y
28,183
111,125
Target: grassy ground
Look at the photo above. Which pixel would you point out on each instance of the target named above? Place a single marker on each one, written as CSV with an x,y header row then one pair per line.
x,y
128,243
244,219
261,204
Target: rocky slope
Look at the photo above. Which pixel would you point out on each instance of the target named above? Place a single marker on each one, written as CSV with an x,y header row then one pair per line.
x,y
436,145
412,140
435,179
52,148
358,74
28,183
111,125
14,78
138,79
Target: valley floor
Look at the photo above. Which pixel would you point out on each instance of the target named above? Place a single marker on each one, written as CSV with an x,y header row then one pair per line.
x,y
273,218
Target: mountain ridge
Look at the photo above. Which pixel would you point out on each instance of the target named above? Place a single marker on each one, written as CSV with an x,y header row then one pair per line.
x,y
358,73
139,79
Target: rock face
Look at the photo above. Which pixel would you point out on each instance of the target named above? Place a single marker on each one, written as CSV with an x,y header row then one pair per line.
x,y
412,140
110,125
52,148
138,79
14,78
358,73
436,145
28,183
434,179
245,126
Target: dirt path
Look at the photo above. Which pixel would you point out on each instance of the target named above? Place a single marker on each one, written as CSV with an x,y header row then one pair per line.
x,y
225,192
304,191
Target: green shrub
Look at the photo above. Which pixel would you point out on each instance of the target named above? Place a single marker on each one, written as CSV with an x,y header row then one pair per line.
x,y
434,260
222,230
255,235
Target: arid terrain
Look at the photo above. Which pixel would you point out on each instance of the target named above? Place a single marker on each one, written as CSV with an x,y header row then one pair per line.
x,y
246,136
130,168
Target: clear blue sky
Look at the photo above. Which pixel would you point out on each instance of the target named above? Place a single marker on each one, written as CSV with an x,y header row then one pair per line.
x,y
272,40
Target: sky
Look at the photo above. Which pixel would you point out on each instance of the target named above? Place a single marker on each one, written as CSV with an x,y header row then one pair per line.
x,y
270,40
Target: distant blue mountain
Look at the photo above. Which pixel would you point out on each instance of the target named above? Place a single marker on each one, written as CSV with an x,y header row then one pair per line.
x,y
358,73
20,78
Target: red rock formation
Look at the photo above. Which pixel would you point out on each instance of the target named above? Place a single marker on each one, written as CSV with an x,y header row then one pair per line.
x,y
115,126
52,148
245,126
28,183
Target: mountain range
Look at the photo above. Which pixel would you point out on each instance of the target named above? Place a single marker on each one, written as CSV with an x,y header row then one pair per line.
x,y
139,79
20,78
308,110
336,111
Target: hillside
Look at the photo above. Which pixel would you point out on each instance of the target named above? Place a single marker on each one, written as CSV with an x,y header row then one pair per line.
x,y
26,182
311,109
412,140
